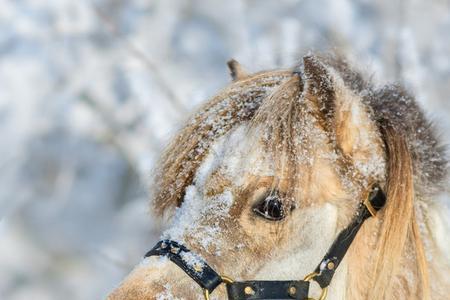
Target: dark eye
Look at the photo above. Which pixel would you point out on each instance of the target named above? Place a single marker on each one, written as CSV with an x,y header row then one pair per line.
x,y
270,207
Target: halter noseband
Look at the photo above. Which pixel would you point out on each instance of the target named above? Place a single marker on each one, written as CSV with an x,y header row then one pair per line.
x,y
209,280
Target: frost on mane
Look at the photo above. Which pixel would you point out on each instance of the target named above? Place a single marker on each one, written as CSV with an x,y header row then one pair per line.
x,y
197,205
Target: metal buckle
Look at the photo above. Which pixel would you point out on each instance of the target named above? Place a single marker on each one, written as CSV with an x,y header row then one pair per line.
x,y
367,203
225,279
324,293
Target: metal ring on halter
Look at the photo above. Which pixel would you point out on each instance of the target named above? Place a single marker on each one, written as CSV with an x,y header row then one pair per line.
x,y
225,279
367,203
324,293
370,208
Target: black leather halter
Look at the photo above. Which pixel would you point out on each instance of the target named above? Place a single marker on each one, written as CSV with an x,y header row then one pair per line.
x,y
208,279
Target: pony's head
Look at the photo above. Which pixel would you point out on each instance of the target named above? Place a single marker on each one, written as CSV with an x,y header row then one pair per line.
x,y
263,176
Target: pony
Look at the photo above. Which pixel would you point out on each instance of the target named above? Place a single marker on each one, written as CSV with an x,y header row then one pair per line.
x,y
265,174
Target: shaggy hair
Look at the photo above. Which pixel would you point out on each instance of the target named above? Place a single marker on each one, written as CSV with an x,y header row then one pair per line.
x,y
416,164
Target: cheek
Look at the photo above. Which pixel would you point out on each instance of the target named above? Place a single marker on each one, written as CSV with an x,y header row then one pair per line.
x,y
260,233
311,231
313,226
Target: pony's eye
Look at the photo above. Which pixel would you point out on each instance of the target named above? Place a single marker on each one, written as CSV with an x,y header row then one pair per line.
x,y
270,208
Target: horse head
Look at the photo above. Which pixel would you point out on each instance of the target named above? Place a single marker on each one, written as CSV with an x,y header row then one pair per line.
x,y
264,176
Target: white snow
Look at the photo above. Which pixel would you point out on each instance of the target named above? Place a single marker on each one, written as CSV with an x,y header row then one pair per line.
x,y
193,260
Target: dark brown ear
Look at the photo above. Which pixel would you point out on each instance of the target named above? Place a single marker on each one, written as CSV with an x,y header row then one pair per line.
x,y
237,72
319,85
343,112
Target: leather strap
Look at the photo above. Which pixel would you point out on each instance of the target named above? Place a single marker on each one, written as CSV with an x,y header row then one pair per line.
x,y
338,249
252,290
189,262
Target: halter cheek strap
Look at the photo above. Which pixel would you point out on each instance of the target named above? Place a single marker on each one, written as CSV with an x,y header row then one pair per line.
x,y
208,279
335,254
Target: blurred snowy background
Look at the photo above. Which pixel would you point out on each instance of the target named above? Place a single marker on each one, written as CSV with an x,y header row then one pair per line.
x,y
90,91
